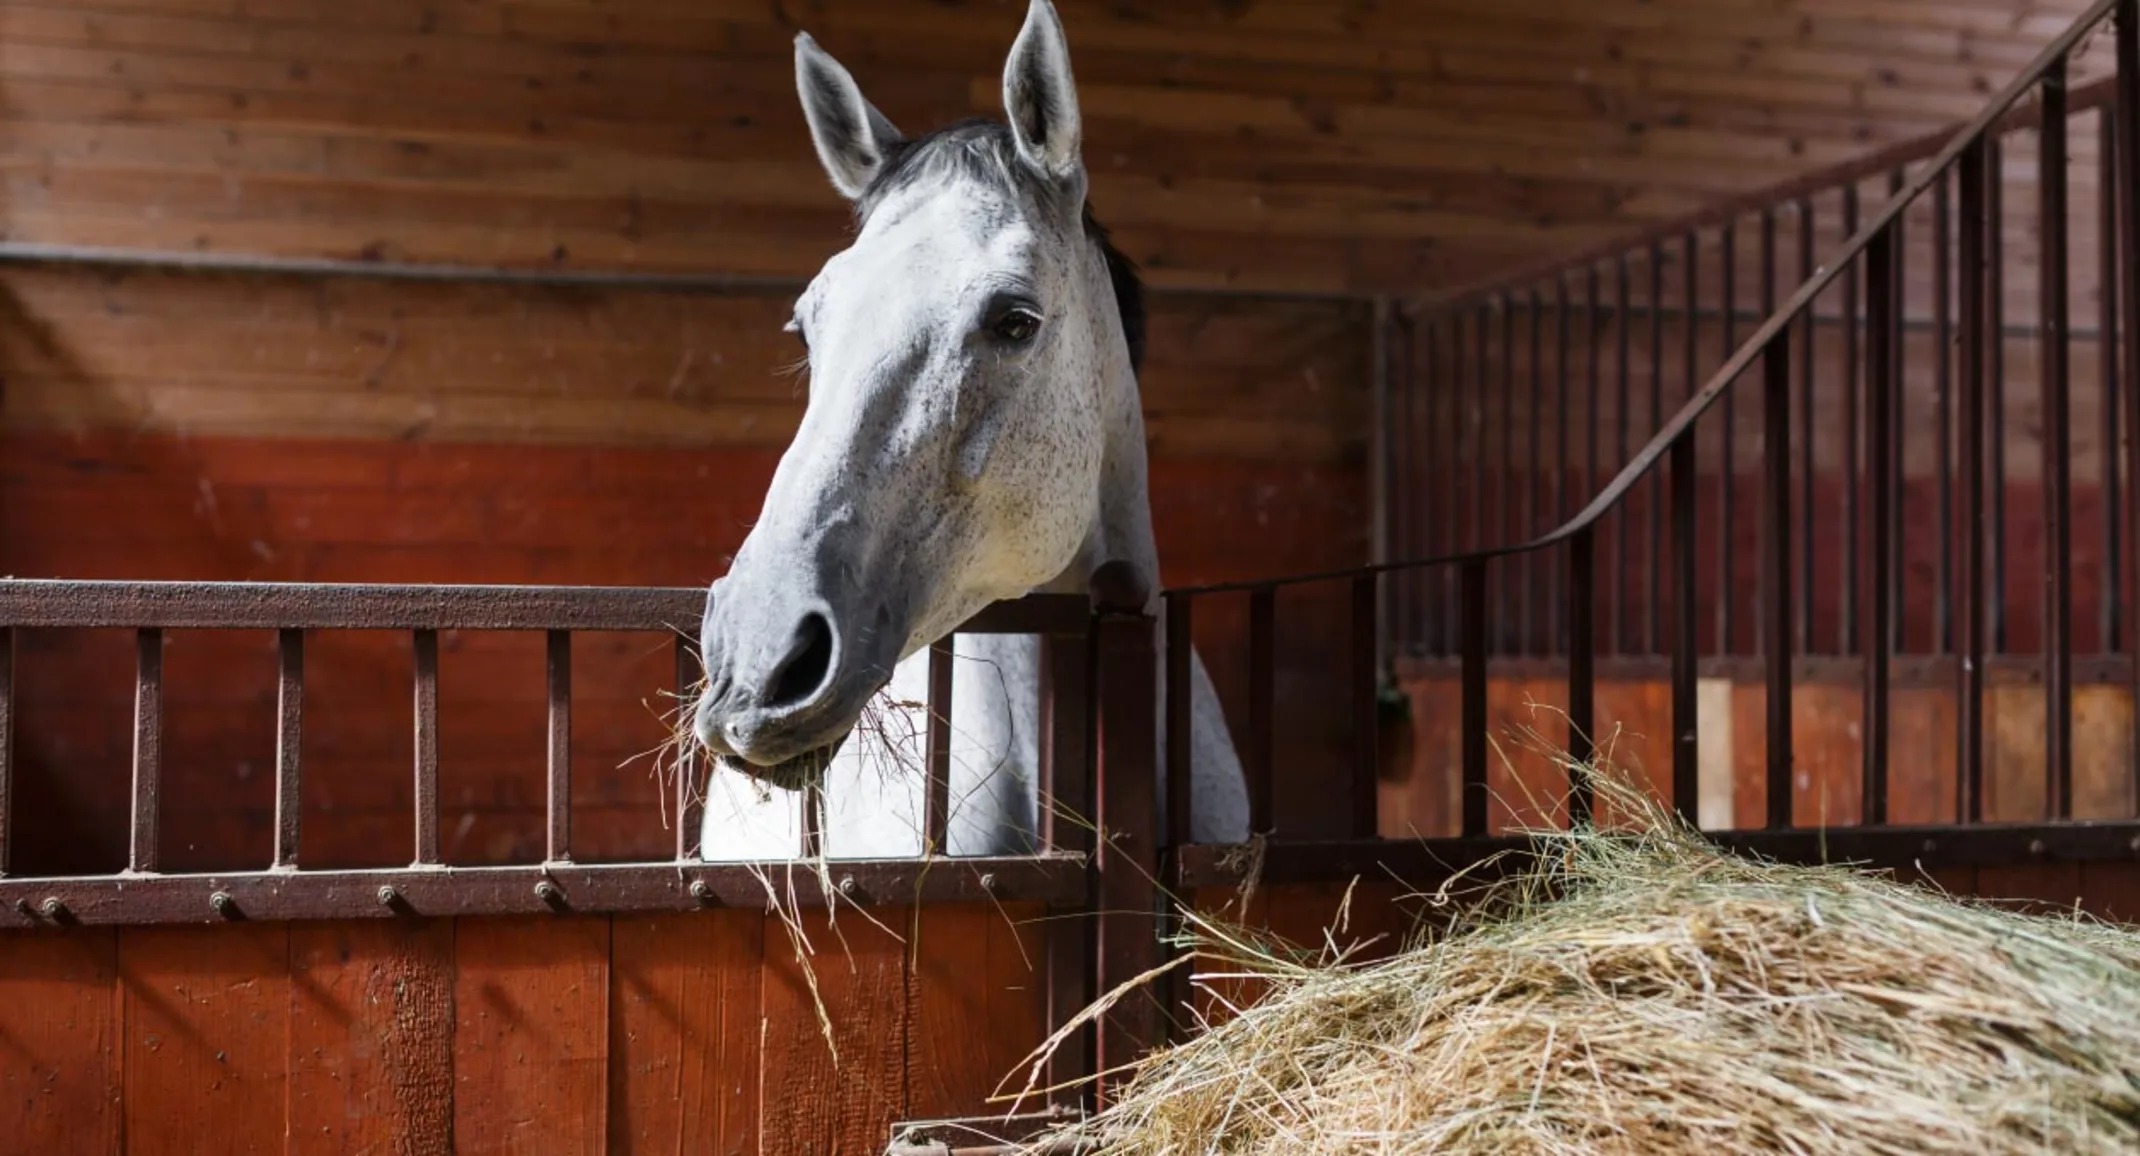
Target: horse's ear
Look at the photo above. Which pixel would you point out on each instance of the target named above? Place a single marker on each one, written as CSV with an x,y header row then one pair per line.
x,y
851,136
1040,97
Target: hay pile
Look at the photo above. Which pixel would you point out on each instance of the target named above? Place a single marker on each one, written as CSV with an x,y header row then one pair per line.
x,y
1651,995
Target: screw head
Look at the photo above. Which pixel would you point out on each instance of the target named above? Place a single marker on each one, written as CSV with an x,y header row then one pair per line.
x,y
222,902
988,881
546,891
23,908
1931,845
847,885
700,891
388,896
52,907
2035,846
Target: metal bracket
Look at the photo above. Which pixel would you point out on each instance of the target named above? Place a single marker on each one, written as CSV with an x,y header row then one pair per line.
x,y
986,1135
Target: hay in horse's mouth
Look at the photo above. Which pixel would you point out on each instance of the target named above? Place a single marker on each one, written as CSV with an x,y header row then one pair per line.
x,y
791,774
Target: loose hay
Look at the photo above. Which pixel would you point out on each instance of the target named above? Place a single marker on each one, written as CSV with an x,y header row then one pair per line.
x,y
1649,994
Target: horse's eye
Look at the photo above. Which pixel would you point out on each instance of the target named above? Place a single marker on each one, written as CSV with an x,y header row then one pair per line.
x,y
1016,326
795,327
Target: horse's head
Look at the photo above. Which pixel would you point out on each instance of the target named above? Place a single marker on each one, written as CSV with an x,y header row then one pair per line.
x,y
950,452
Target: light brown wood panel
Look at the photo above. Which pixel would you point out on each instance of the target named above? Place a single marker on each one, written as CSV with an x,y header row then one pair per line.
x,y
1236,144
531,1038
371,1037
205,1012
686,1033
59,1063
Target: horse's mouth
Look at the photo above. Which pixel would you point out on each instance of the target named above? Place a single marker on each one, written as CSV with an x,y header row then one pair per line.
x,y
791,774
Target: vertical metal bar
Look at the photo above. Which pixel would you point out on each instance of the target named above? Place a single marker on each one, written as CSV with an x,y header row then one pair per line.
x,y
425,643
1459,423
2053,333
1526,641
1653,572
1471,581
1475,431
1969,707
1593,402
1768,309
813,821
7,742
2107,298
1882,312
1690,380
1582,659
1897,544
1179,608
1506,620
1616,578
688,799
1127,862
1995,366
1262,706
289,727
1379,421
1776,565
1366,706
148,749
1807,474
2128,198
1066,818
558,679
1556,588
936,802
1727,624
1399,381
1686,732
1852,450
1942,411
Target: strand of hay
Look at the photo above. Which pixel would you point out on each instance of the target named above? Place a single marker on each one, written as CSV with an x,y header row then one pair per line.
x,y
1647,993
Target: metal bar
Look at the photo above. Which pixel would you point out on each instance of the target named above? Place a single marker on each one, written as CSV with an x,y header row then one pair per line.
x,y
1768,308
443,892
289,729
7,743
558,679
1475,432
1807,440
1582,658
30,602
1459,441
1852,448
1897,544
1179,608
2056,372
1397,383
148,749
1881,309
688,799
1686,732
1527,642
1262,706
1616,578
1691,287
1593,402
1506,482
936,803
1995,366
1942,410
2107,298
1067,816
1367,715
1653,573
1128,899
1727,619
1385,430
2128,198
1969,708
426,647
1421,864
1472,582
813,821
1776,564
1556,576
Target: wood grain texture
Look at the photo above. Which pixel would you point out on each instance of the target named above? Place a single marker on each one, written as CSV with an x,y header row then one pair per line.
x,y
814,1104
371,1038
977,1008
686,1034
531,1038
59,1059
205,1012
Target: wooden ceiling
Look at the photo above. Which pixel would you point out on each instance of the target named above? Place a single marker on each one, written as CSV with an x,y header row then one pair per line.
x,y
1309,146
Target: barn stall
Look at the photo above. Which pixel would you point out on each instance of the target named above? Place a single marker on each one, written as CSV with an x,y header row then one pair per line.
x,y
302,323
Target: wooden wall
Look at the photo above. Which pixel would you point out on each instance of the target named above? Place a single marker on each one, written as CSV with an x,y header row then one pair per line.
x,y
1276,144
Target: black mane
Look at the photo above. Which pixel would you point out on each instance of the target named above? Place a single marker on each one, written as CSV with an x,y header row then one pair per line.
x,y
983,150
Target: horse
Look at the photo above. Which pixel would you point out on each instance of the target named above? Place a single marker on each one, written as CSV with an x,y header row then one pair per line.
x,y
973,432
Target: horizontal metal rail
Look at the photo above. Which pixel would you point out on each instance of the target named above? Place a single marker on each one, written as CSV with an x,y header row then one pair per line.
x,y
558,888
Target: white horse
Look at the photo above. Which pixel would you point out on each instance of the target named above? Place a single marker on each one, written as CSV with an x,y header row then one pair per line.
x,y
973,434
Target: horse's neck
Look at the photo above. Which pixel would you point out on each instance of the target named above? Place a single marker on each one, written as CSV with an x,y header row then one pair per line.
x,y
1122,524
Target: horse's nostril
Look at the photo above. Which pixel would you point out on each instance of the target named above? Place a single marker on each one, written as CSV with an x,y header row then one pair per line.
x,y
806,665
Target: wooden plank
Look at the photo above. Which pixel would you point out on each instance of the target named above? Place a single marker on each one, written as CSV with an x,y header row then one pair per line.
x,y
59,1069
2111,891
812,1104
1634,738
1425,803
2052,887
2013,753
2102,752
531,1038
1826,738
977,1002
1526,725
686,1034
371,1037
1921,761
206,1014
1716,753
